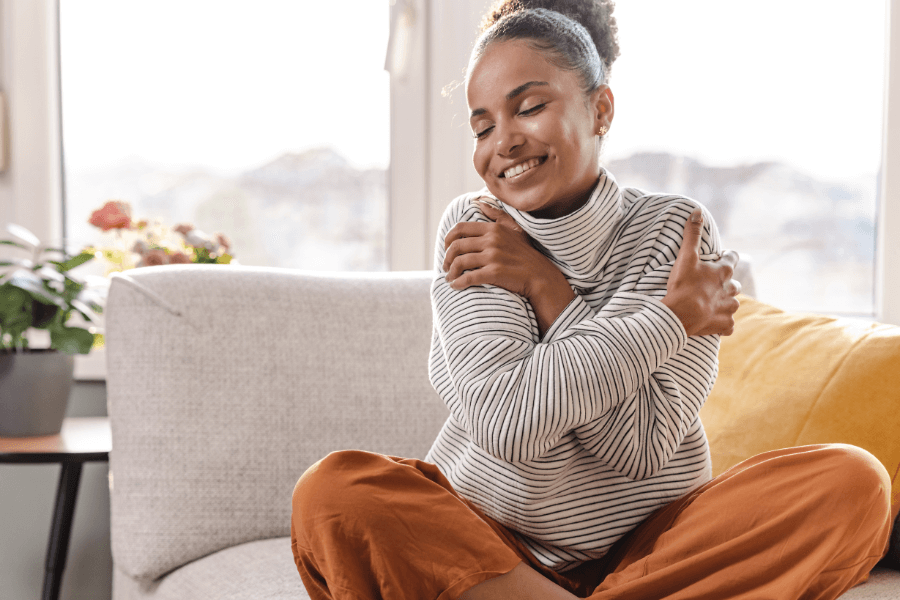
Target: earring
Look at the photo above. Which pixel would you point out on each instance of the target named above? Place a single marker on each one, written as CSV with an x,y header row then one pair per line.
x,y
603,131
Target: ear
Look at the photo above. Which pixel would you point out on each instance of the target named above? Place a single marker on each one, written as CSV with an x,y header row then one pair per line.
x,y
604,105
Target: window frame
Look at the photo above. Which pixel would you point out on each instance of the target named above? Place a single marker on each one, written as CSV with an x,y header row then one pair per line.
x,y
430,140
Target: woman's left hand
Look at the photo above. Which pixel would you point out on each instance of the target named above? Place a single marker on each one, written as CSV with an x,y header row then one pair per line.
x,y
501,254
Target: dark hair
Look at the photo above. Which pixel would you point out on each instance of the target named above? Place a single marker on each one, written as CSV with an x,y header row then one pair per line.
x,y
576,35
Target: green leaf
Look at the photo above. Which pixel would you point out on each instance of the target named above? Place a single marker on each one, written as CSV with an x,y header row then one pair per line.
x,y
85,311
33,284
13,301
15,313
16,244
24,235
71,340
19,262
74,262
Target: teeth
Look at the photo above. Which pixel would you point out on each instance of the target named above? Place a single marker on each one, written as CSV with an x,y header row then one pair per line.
x,y
519,169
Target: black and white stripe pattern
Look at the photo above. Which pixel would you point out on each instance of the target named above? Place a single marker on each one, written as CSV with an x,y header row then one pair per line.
x,y
573,439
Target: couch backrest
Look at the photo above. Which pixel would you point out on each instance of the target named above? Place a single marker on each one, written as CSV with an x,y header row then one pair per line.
x,y
226,382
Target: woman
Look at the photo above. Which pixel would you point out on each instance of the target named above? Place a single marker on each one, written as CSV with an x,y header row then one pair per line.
x,y
576,332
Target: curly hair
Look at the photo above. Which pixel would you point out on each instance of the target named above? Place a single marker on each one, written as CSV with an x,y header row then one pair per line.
x,y
594,15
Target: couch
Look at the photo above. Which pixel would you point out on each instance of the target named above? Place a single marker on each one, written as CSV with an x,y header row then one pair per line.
x,y
226,382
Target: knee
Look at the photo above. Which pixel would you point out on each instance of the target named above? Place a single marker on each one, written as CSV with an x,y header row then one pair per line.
x,y
857,478
332,484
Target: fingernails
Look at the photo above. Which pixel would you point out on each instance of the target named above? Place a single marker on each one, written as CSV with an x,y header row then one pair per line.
x,y
697,217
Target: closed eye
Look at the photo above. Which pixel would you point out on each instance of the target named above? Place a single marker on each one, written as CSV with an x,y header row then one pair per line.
x,y
533,109
483,132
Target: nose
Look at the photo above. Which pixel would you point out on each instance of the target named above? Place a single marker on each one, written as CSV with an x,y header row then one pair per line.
x,y
509,137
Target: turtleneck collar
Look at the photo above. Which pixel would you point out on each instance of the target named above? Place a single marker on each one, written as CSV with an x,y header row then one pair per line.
x,y
578,241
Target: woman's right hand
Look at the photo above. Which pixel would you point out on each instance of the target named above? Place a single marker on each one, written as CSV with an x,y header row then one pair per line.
x,y
702,294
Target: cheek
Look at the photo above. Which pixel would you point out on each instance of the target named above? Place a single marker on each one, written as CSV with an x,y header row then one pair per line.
x,y
579,144
481,159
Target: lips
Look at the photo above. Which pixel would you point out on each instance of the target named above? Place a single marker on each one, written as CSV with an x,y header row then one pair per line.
x,y
523,167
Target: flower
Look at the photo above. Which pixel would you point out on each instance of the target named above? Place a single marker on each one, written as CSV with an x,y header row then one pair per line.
x,y
115,214
223,241
148,243
179,258
156,256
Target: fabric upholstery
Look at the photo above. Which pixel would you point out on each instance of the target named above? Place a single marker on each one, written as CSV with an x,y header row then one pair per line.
x,y
790,379
262,570
883,584
226,382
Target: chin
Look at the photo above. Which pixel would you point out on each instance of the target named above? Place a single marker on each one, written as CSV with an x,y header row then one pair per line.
x,y
524,201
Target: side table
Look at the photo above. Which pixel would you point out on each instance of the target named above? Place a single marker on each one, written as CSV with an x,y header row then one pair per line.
x,y
82,439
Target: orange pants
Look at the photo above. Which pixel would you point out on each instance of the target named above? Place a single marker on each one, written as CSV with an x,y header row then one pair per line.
x,y
806,522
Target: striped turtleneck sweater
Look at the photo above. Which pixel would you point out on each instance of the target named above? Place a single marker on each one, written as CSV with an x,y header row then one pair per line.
x,y
572,439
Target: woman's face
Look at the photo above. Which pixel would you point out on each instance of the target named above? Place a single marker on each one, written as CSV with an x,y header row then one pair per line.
x,y
535,130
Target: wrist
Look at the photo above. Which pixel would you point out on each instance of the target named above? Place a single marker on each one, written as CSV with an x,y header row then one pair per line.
x,y
549,297
680,313
550,285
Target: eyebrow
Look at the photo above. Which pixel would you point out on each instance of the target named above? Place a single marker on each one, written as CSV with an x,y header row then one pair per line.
x,y
511,95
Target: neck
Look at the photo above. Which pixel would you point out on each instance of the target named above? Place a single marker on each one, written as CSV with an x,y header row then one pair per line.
x,y
566,208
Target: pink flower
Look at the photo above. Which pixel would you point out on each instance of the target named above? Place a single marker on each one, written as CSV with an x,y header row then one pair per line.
x,y
179,258
155,257
223,241
183,228
115,214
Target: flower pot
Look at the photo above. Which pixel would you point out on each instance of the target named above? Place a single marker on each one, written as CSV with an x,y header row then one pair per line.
x,y
34,391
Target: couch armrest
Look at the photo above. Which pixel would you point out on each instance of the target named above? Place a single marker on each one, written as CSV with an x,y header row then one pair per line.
x,y
226,382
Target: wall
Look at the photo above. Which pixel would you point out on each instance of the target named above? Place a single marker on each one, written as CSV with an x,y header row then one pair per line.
x,y
27,494
30,187
30,196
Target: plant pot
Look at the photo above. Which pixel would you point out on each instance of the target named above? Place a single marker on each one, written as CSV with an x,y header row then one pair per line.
x,y
34,391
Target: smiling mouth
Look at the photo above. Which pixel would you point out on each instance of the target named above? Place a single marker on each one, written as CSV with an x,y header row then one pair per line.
x,y
517,170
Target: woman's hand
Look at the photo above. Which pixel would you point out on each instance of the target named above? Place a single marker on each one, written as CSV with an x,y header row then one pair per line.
x,y
702,294
501,254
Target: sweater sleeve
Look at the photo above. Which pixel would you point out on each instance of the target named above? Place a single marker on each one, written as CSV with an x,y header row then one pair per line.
x,y
516,396
638,436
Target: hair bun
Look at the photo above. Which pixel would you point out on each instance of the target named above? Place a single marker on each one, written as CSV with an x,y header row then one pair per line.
x,y
594,15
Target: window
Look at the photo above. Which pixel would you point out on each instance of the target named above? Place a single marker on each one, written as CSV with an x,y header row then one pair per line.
x,y
770,113
265,121
437,165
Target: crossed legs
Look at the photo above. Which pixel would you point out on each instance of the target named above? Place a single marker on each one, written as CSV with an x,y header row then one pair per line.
x,y
805,523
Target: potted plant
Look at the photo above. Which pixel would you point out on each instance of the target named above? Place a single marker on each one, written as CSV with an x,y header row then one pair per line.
x,y
39,293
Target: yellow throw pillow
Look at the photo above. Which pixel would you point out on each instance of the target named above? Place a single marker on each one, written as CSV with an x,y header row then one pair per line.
x,y
790,379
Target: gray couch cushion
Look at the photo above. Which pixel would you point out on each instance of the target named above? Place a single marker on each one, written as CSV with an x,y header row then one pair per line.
x,y
261,570
883,584
264,570
225,383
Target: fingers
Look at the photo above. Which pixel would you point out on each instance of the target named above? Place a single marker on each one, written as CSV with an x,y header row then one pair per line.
x,y
465,229
732,287
460,275
731,307
722,322
490,211
730,257
693,230
498,216
461,246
